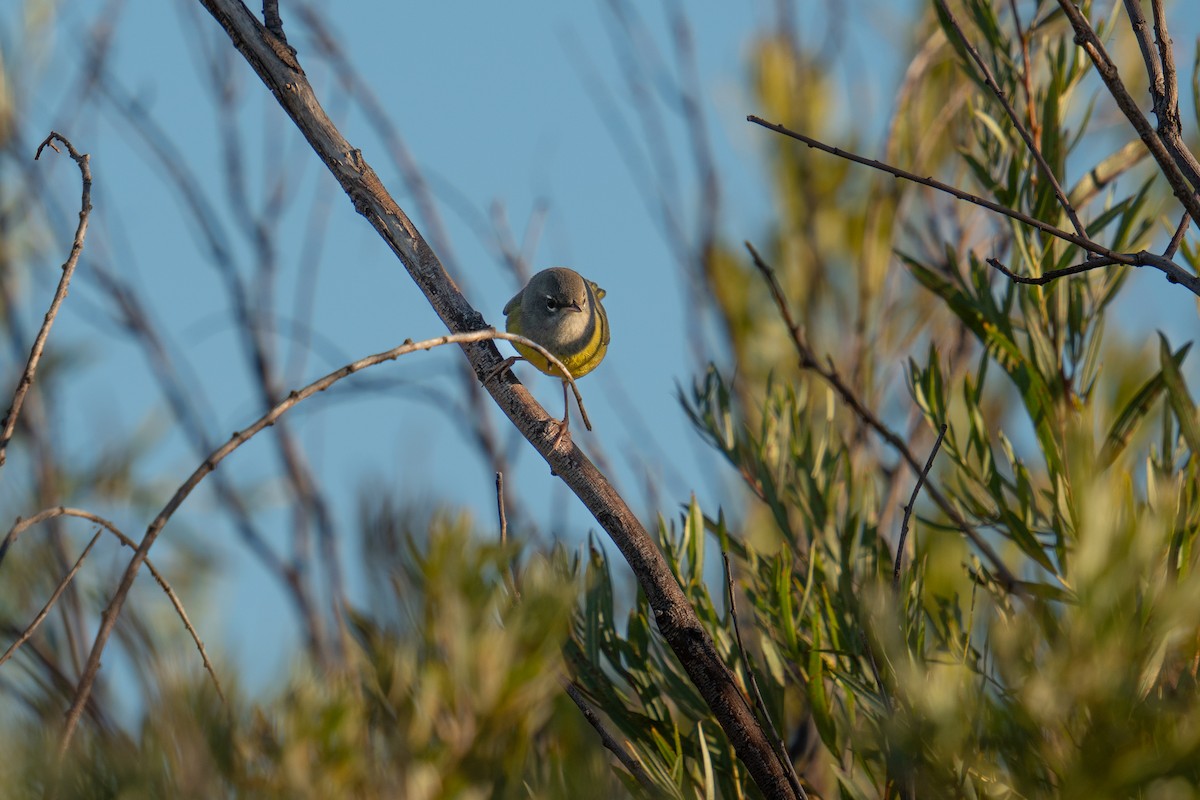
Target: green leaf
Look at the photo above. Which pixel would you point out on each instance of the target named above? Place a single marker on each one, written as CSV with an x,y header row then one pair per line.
x,y
994,127
1135,410
773,659
1181,400
818,700
709,786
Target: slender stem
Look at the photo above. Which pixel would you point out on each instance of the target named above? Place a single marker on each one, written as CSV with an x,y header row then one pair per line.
x,y
512,575
60,294
933,183
1177,237
781,749
1016,120
610,742
912,502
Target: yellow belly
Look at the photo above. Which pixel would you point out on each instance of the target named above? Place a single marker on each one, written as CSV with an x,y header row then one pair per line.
x,y
579,363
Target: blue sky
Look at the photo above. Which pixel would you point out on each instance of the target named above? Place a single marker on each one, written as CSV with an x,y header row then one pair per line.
x,y
495,103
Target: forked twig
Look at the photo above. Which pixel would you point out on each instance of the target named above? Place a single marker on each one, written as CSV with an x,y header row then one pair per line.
x,y
1183,187
1052,275
60,294
1142,258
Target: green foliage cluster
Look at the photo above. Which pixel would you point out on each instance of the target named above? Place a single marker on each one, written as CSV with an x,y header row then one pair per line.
x,y
1072,460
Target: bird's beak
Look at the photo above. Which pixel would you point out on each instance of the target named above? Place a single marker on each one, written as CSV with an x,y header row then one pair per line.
x,y
575,307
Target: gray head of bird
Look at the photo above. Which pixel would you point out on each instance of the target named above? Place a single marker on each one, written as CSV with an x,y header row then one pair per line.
x,y
555,301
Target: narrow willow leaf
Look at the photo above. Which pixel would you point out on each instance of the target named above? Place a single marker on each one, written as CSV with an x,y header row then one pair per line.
x,y
994,127
1135,410
1181,400
818,701
773,659
706,761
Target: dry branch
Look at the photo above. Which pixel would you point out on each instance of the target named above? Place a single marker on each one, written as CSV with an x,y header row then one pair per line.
x,y
279,70
60,294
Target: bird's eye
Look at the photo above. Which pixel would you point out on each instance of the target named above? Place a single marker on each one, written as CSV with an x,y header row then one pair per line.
x,y
550,304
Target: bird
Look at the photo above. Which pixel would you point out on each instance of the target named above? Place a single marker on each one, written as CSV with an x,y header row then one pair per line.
x,y
560,310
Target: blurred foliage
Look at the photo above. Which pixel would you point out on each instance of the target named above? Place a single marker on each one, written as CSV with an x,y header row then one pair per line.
x,y
458,696
1072,450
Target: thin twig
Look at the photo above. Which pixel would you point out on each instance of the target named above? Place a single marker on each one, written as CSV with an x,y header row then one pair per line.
x,y
912,502
61,511
62,585
933,183
500,508
1173,272
512,577
1141,32
809,361
781,752
60,294
1177,237
1052,275
1026,72
109,618
587,423
1016,121
630,763
1142,258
